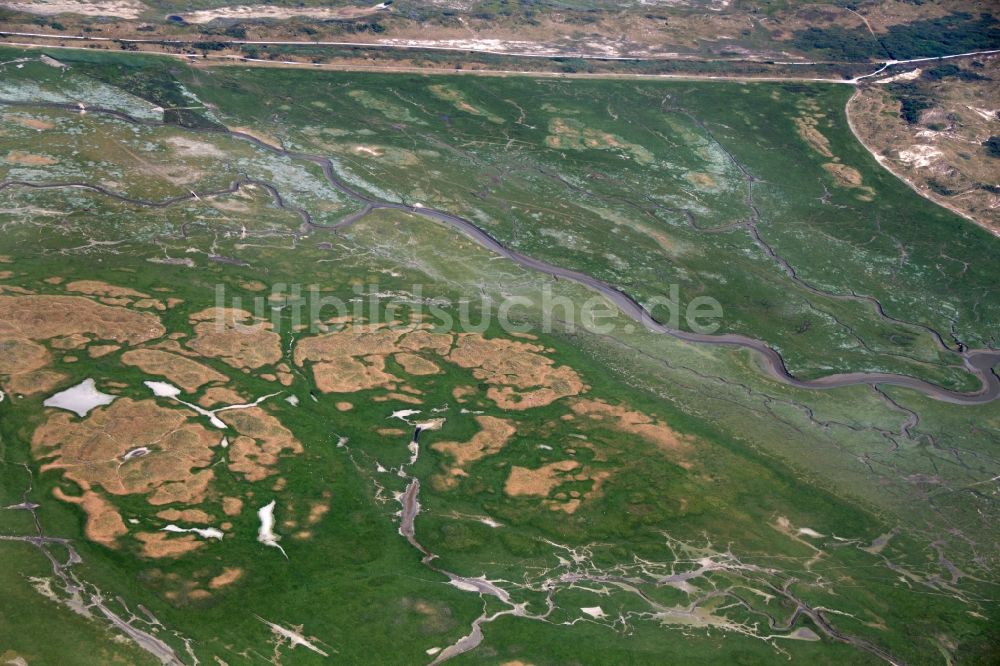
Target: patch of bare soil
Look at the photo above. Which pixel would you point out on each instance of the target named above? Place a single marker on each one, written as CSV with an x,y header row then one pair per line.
x,y
261,444
277,13
126,9
253,285
185,373
73,341
232,506
348,374
235,337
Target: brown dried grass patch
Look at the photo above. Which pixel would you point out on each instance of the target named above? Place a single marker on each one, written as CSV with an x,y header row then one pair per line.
x,y
185,373
347,374
18,355
31,123
159,544
701,180
37,381
515,365
316,512
44,317
27,159
539,482
228,576
806,127
91,451
104,523
353,359
461,393
632,422
569,134
98,351
416,365
220,395
400,397
493,436
232,506
262,443
235,338
850,178
263,137
99,288
195,516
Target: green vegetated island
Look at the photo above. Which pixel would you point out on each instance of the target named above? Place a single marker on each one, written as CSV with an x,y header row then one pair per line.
x,y
189,480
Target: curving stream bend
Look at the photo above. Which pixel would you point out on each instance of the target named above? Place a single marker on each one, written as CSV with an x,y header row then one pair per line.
x,y
979,362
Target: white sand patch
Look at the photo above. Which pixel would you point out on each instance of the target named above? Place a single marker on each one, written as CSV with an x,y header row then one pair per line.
x,y
294,638
128,9
919,155
266,534
166,390
278,13
905,76
985,114
595,612
203,532
462,585
80,399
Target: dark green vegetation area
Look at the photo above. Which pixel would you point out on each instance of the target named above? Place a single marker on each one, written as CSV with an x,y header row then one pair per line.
x,y
854,525
960,32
